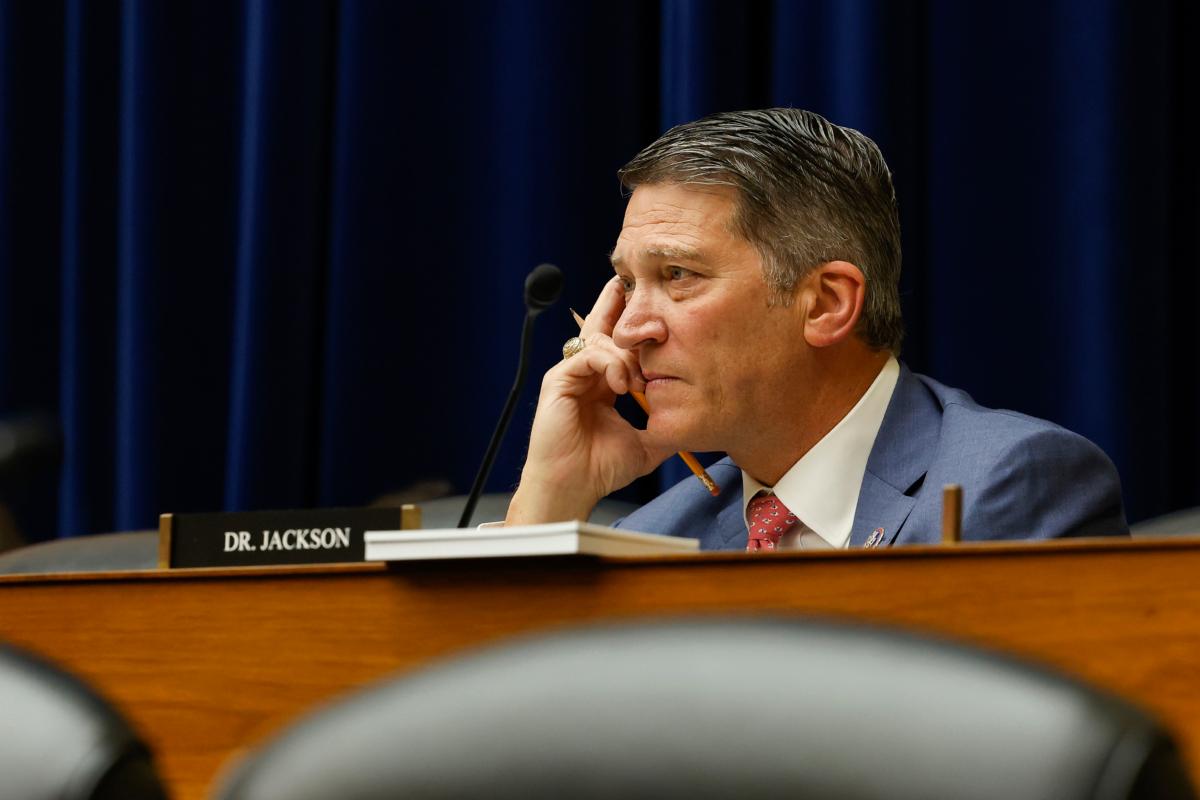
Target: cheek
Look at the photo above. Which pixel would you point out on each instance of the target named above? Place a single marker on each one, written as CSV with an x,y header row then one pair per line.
x,y
754,362
731,343
740,384
734,378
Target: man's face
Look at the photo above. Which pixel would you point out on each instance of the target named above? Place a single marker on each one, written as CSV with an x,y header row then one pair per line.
x,y
721,363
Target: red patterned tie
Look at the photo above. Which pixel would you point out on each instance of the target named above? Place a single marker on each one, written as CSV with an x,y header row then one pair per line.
x,y
767,520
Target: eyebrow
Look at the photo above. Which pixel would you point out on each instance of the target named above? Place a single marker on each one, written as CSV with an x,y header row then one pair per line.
x,y
684,253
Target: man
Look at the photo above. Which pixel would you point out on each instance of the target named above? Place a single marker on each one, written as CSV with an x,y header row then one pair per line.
x,y
755,303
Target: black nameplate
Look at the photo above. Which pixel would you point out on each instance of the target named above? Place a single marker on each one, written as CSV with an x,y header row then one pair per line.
x,y
259,538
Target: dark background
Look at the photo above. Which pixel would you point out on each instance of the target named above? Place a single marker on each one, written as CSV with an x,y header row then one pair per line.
x,y
259,255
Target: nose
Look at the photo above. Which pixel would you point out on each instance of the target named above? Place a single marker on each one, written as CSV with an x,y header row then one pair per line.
x,y
641,323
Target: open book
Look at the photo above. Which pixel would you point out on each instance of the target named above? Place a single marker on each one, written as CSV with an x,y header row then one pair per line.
x,y
552,539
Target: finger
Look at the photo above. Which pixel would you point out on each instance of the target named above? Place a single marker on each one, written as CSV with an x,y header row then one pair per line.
x,y
600,357
606,311
597,360
633,366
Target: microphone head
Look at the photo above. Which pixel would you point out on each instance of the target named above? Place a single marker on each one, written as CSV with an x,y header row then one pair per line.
x,y
542,287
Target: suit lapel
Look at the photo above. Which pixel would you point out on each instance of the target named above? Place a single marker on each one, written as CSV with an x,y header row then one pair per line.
x,y
880,506
903,450
732,524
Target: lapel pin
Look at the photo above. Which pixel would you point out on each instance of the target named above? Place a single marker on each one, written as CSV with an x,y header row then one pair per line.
x,y
875,538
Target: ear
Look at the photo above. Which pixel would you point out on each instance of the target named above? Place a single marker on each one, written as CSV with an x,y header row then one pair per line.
x,y
833,298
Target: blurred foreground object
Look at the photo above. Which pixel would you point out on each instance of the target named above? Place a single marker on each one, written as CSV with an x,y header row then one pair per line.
x,y
29,443
60,741
10,537
31,447
728,708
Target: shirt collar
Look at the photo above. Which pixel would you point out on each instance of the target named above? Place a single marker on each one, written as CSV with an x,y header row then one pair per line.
x,y
822,488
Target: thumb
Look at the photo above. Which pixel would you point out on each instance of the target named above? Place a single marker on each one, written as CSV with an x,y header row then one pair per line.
x,y
656,451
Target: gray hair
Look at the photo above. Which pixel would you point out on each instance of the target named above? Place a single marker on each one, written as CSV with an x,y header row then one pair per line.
x,y
808,192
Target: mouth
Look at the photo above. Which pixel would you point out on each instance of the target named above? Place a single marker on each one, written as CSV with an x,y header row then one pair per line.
x,y
657,380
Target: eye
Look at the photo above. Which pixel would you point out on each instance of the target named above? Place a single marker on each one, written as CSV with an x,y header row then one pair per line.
x,y
626,283
678,273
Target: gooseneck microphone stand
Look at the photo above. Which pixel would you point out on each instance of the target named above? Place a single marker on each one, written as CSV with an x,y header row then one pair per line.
x,y
542,288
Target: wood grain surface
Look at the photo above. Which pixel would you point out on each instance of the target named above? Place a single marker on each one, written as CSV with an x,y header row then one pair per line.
x,y
210,662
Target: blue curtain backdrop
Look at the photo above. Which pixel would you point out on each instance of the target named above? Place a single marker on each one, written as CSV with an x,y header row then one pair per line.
x,y
269,254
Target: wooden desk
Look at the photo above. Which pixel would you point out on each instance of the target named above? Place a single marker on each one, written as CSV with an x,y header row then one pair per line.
x,y
209,662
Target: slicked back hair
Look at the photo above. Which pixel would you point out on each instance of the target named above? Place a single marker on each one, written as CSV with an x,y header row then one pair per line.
x,y
808,192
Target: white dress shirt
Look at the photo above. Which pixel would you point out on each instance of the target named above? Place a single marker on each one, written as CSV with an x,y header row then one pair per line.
x,y
822,488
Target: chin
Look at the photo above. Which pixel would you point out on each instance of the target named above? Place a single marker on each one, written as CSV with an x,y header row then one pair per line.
x,y
680,432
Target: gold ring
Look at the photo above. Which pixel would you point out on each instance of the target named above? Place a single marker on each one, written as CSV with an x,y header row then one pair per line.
x,y
573,346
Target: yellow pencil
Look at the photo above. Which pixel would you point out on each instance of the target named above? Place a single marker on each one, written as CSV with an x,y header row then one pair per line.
x,y
687,457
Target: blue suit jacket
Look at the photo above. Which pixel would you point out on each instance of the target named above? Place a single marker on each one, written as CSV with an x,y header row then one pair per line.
x,y
1022,478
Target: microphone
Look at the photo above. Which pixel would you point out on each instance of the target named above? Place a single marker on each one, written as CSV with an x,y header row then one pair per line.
x,y
542,287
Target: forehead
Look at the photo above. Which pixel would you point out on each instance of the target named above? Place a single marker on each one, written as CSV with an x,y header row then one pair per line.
x,y
666,220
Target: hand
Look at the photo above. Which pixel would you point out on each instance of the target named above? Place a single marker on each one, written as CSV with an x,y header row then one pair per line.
x,y
581,449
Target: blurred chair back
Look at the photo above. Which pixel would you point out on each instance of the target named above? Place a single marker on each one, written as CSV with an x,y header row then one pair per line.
x,y
60,741
1178,523
98,552
731,708
444,512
